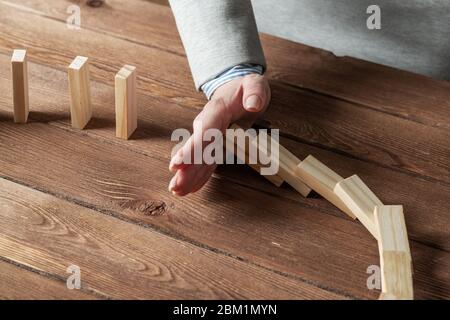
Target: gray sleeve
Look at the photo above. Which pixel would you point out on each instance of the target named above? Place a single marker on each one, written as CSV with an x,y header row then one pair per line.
x,y
217,35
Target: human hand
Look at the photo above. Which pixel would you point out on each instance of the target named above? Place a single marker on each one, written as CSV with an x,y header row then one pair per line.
x,y
241,100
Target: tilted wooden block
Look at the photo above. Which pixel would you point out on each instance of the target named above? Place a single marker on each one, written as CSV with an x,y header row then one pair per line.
x,y
20,85
126,105
360,200
288,163
80,92
275,179
323,180
395,254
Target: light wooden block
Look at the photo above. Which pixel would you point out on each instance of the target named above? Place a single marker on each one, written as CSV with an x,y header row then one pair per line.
x,y
287,164
360,200
323,180
126,104
80,92
395,254
20,85
275,179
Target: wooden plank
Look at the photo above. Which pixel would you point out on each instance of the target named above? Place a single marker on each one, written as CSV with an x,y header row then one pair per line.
x,y
80,92
348,78
293,234
20,85
159,121
126,104
21,284
357,196
395,255
323,180
49,234
315,118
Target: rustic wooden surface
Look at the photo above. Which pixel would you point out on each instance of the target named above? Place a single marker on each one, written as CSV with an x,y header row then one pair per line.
x,y
87,198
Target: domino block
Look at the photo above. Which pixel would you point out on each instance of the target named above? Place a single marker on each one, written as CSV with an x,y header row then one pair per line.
x,y
395,255
126,105
20,85
287,163
323,180
80,92
360,200
275,179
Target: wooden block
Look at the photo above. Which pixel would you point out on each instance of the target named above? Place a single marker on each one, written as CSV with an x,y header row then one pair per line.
x,y
323,180
360,200
20,85
80,92
275,179
126,105
395,254
287,163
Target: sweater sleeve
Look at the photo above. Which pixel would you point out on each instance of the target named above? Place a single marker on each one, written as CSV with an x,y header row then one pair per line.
x,y
217,35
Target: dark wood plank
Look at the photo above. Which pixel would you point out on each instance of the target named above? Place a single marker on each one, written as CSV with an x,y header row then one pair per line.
x,y
168,100
49,234
392,141
20,283
278,234
157,121
403,94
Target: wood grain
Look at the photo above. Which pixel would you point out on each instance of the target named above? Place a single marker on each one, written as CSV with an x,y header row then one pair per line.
x,y
282,231
133,186
326,122
19,283
157,121
49,234
411,96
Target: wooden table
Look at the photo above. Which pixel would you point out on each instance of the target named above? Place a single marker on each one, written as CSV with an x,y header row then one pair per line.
x,y
85,198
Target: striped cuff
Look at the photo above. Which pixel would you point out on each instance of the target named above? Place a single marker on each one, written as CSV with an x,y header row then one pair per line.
x,y
238,71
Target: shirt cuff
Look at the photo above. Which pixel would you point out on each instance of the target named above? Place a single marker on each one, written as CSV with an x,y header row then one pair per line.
x,y
236,72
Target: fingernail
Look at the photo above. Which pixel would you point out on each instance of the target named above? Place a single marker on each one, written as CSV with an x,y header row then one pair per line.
x,y
253,103
173,184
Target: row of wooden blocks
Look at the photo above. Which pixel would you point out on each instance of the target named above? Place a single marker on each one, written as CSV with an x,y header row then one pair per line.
x,y
80,94
351,195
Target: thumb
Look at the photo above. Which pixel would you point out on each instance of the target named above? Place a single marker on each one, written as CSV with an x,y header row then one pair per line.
x,y
255,93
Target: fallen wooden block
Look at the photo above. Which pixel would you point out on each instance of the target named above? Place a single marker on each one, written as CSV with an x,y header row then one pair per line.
x,y
126,105
20,85
395,255
360,200
80,92
323,180
244,156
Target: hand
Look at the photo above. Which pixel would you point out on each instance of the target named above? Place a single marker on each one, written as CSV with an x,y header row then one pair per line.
x,y
240,100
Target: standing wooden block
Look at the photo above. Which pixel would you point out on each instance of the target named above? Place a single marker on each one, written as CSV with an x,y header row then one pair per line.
x,y
323,180
126,106
80,92
20,85
395,255
360,200
275,179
